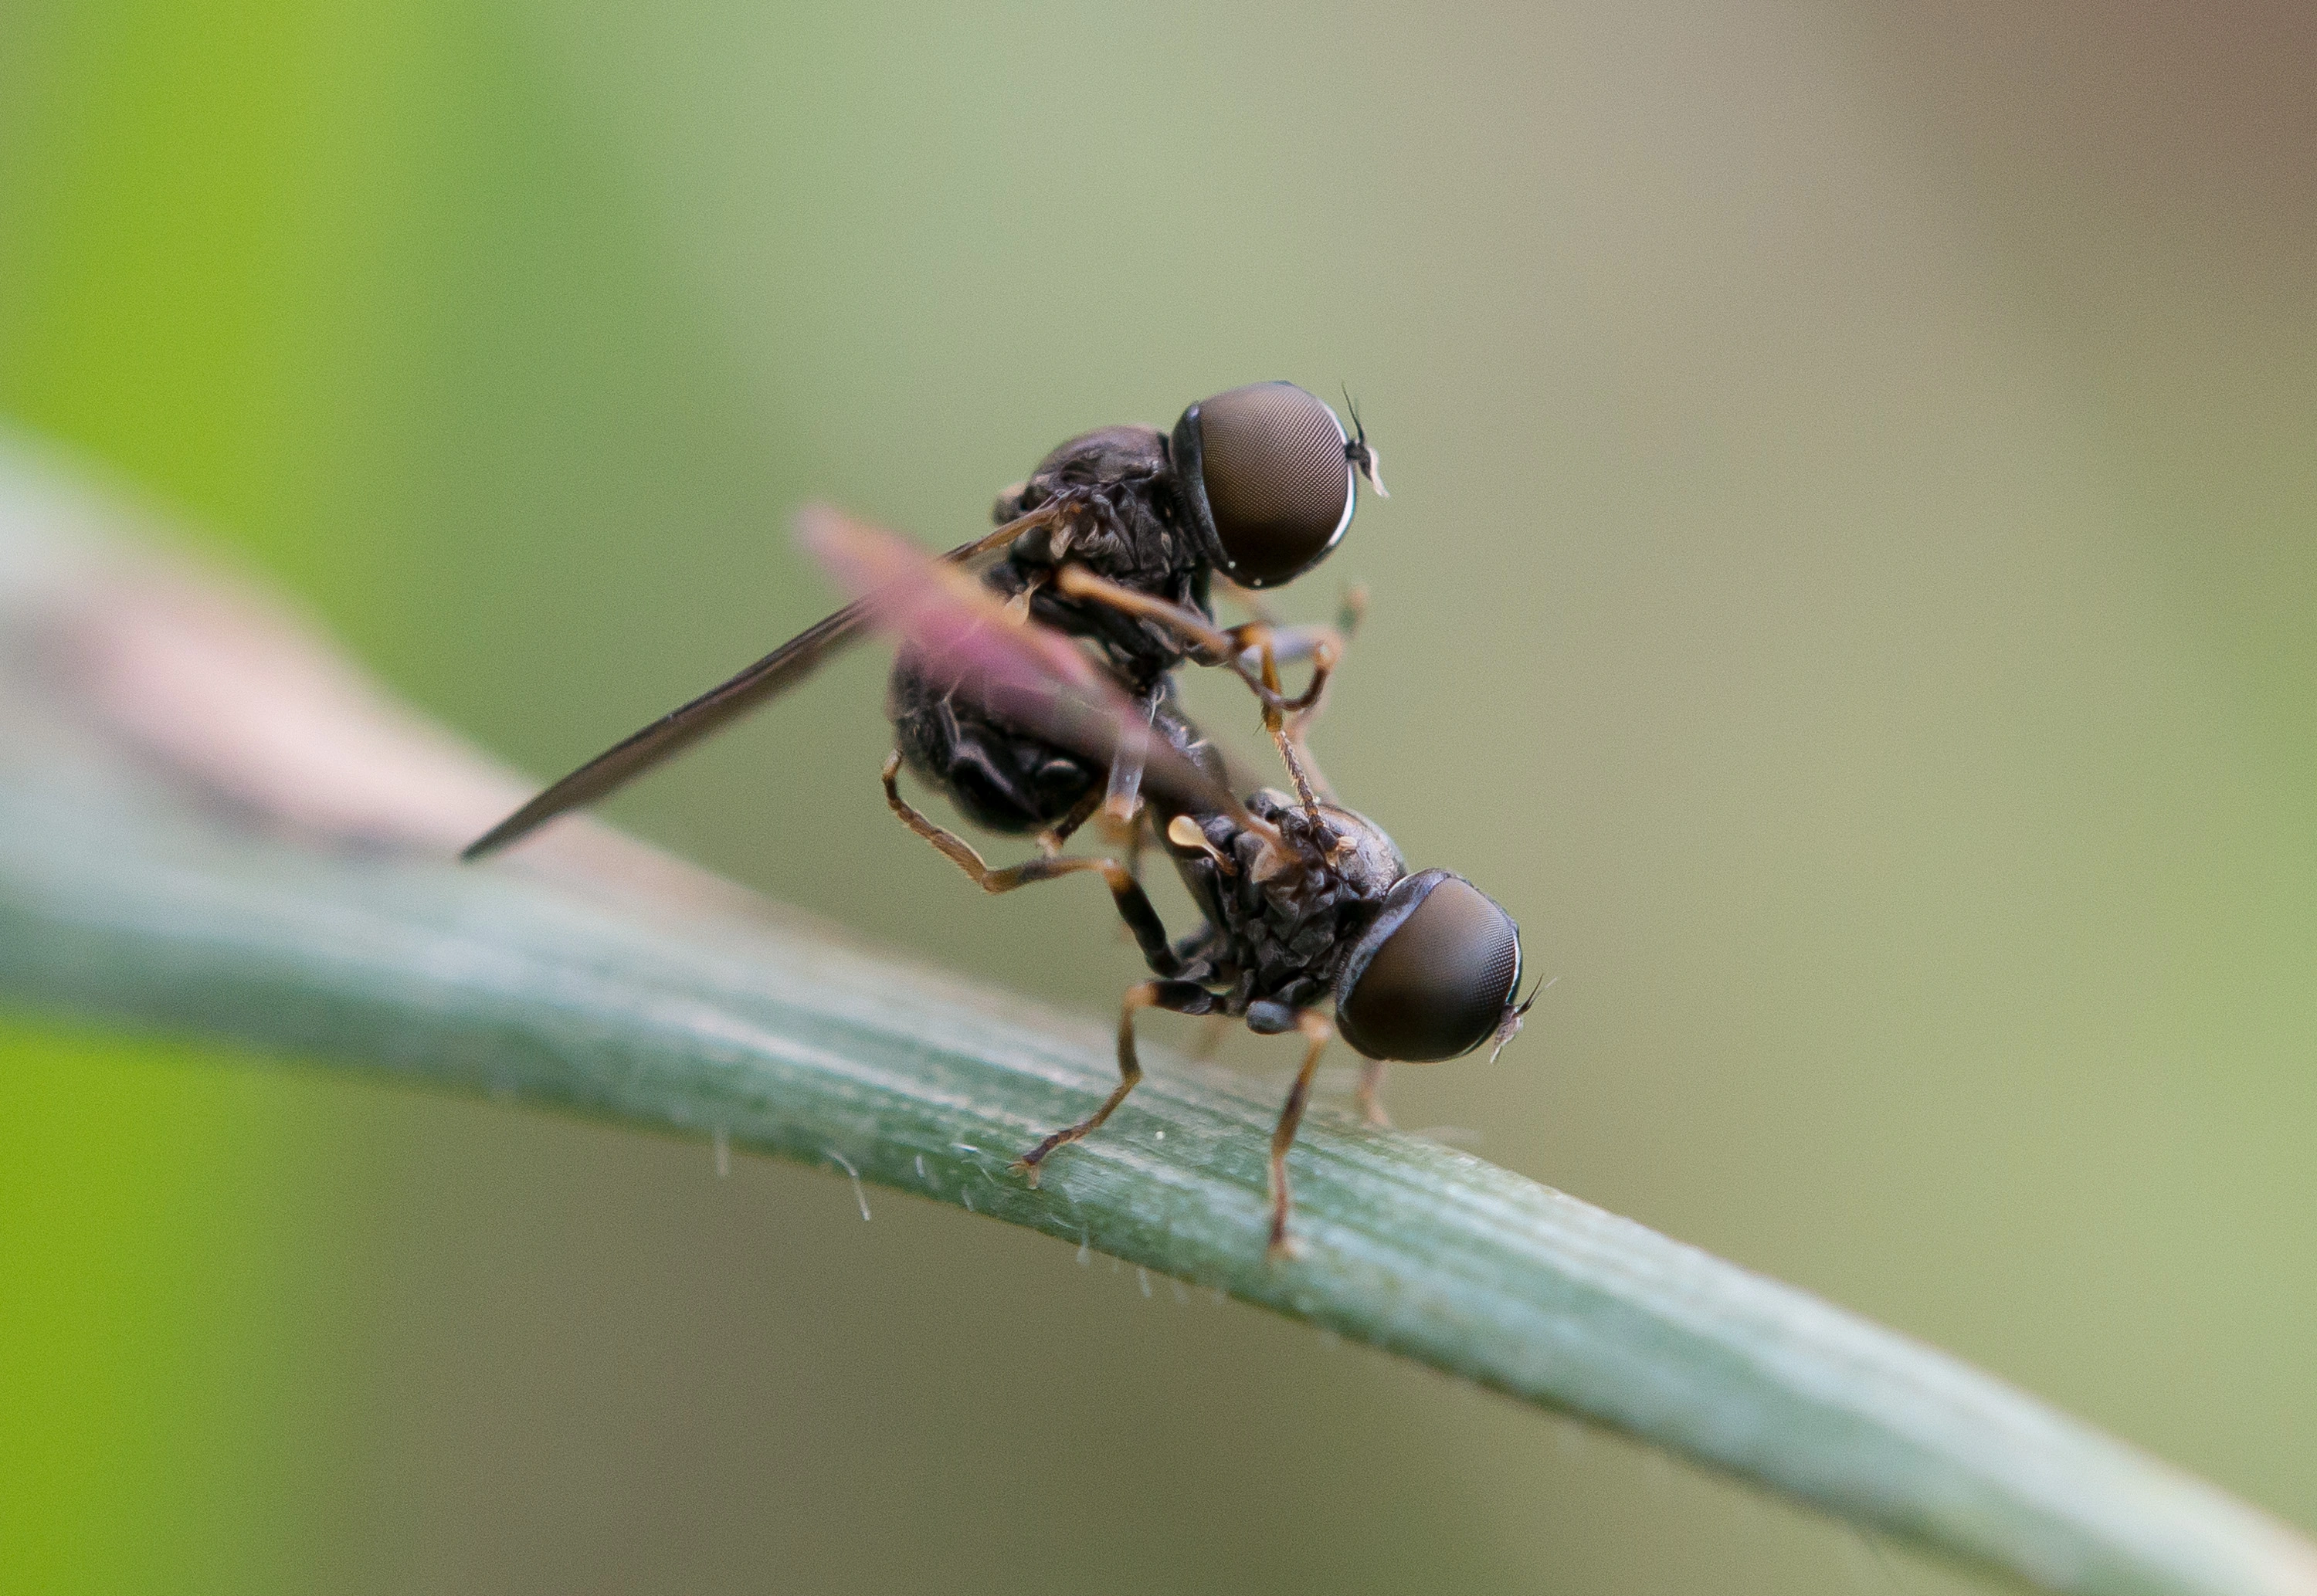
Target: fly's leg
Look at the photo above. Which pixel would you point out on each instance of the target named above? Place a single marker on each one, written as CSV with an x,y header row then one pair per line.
x,y
1123,794
1350,611
1246,598
1125,891
1262,641
1138,837
1327,645
1131,838
1051,840
1368,1095
1212,644
1125,839
1351,607
1181,997
1208,643
1318,1030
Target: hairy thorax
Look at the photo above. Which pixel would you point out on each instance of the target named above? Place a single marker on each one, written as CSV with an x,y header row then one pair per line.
x,y
1282,920
1123,521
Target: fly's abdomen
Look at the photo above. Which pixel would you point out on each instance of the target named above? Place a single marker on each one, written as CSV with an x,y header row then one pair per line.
x,y
997,774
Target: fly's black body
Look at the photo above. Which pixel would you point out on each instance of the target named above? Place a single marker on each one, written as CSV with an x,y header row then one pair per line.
x,y
1115,511
1276,937
1040,686
1255,485
1304,904
1120,516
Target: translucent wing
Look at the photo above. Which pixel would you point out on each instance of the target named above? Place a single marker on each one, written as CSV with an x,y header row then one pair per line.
x,y
968,641
719,706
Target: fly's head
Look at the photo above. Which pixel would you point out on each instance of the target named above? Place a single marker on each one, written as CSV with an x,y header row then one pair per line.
x,y
1268,475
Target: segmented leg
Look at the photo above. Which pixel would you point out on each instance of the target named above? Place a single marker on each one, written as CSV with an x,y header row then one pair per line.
x,y
1261,639
1125,891
1182,997
1051,840
1317,1030
1214,645
1127,841
1123,796
1295,643
1289,720
1210,644
1351,610
1368,1096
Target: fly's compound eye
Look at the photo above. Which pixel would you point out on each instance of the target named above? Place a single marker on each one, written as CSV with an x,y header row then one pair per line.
x,y
1434,976
1269,471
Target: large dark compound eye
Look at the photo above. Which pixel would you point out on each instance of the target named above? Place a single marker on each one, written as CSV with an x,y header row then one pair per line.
x,y
1433,975
1269,471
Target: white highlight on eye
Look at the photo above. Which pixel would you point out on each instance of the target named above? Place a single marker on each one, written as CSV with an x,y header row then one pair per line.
x,y
1351,477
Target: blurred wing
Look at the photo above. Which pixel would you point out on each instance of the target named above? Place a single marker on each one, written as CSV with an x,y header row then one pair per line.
x,y
966,640
712,710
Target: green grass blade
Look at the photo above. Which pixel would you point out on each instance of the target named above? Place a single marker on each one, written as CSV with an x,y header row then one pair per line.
x,y
222,886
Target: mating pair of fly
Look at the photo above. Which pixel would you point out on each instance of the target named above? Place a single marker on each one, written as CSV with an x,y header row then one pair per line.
x,y
1035,688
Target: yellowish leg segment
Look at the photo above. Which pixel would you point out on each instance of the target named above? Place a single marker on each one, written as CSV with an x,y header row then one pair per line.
x,y
960,852
1368,1097
1125,892
1318,1030
1130,1071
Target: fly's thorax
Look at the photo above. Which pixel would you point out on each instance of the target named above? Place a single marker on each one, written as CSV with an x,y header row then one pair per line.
x,y
1105,455
1104,459
1350,851
1286,901
1118,514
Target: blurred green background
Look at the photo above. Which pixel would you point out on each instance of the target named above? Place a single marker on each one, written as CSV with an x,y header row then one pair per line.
x,y
1849,590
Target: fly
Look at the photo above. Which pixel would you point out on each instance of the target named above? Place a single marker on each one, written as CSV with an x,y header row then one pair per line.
x,y
1255,486
1306,906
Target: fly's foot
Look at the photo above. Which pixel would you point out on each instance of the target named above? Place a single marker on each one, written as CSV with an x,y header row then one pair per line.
x,y
1028,1165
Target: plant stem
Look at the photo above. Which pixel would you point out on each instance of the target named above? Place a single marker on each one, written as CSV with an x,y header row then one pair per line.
x,y
178,850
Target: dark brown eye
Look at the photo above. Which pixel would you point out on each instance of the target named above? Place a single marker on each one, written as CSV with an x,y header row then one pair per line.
x,y
1433,975
1269,471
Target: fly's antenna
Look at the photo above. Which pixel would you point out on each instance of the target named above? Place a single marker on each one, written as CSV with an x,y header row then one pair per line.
x,y
1363,458
1534,992
1509,1026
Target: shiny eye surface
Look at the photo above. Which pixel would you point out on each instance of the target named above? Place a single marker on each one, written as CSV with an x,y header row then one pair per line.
x,y
1433,975
1270,466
